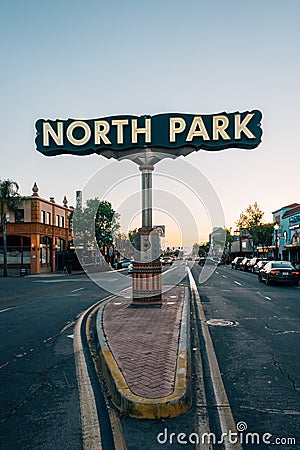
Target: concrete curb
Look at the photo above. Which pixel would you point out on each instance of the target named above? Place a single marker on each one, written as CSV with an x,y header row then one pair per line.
x,y
138,407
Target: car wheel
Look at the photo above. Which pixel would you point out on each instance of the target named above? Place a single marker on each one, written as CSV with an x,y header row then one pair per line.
x,y
268,281
296,283
259,279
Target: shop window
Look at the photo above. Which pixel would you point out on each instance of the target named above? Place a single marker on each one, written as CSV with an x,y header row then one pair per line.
x,y
19,215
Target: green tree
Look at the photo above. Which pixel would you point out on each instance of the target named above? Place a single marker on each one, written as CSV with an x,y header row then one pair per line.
x,y
250,222
100,216
10,200
203,249
131,234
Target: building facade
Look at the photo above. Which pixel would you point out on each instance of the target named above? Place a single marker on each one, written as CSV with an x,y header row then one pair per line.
x,y
287,238
36,233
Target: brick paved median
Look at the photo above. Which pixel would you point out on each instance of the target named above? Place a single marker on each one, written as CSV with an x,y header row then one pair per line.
x,y
144,342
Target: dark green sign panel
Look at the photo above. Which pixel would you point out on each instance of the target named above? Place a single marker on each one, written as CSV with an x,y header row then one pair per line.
x,y
117,136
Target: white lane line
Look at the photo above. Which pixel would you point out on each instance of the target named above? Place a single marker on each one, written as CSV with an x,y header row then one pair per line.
x,y
79,289
217,272
236,282
224,276
89,417
268,298
7,309
223,406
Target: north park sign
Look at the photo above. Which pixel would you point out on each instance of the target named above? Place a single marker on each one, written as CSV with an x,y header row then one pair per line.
x,y
171,133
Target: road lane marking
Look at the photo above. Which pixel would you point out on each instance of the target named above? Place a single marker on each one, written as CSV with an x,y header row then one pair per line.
x,y
7,309
268,298
224,276
226,419
60,281
91,434
79,289
217,272
236,282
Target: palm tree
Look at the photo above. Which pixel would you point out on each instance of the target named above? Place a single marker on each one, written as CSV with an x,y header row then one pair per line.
x,y
9,201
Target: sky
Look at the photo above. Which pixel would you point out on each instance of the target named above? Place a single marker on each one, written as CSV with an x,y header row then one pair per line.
x,y
91,59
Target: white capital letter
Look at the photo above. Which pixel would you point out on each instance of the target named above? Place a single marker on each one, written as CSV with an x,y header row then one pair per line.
x,y
101,133
197,122
174,129
86,136
135,131
220,123
57,137
241,127
120,123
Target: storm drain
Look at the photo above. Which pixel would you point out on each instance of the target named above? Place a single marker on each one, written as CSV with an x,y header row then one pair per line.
x,y
222,322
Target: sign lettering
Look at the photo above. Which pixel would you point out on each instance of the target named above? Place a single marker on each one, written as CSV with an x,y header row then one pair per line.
x,y
165,132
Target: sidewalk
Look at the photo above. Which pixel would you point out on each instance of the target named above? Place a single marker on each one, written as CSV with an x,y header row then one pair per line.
x,y
145,354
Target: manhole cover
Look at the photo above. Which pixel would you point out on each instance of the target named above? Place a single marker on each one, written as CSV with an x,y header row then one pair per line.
x,y
222,322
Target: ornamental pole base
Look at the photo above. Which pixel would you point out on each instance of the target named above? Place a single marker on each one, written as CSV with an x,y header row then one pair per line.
x,y
146,282
146,274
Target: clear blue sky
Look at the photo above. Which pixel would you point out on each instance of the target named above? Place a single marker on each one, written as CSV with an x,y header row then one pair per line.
x,y
86,59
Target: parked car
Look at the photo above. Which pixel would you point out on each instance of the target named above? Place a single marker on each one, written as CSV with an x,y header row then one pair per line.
x,y
123,264
252,263
166,260
280,272
236,262
244,264
260,265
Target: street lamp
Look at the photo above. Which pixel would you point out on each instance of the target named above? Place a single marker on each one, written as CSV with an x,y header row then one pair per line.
x,y
276,228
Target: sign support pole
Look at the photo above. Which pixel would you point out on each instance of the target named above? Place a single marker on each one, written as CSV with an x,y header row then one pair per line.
x,y
146,170
146,276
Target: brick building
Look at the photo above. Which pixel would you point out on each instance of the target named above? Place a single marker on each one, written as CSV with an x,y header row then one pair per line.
x,y
36,233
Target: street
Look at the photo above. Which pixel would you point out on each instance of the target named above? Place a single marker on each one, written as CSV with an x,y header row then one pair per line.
x,y
257,355
39,393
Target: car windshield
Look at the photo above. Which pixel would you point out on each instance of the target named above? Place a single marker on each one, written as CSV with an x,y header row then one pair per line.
x,y
282,266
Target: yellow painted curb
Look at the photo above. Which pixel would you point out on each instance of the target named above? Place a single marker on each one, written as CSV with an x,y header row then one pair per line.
x,y
173,405
138,407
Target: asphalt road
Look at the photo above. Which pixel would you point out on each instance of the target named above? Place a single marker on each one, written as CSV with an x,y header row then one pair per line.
x,y
39,406
259,355
39,395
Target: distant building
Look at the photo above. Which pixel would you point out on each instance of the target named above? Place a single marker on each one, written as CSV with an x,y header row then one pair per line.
x,y
36,233
217,239
288,234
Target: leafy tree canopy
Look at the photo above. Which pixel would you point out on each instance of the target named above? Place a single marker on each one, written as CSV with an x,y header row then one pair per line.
x,y
10,199
250,221
98,215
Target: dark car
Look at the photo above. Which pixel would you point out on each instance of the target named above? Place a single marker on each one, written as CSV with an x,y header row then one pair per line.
x,y
123,264
236,262
244,264
260,265
279,272
166,260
